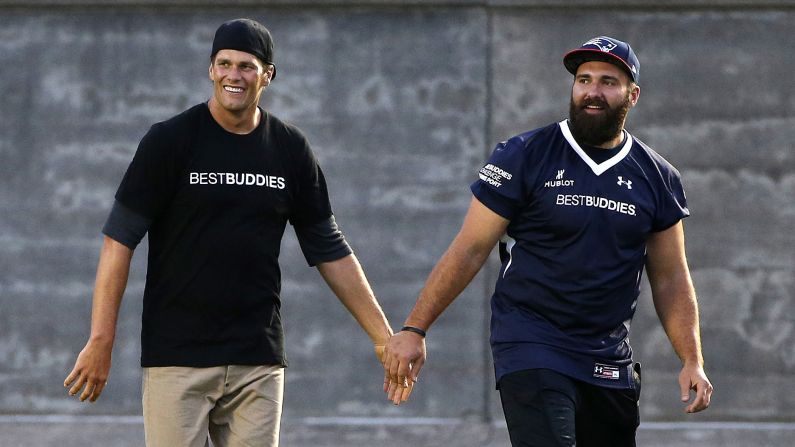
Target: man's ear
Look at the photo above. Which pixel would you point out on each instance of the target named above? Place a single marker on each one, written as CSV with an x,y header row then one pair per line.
x,y
634,94
267,75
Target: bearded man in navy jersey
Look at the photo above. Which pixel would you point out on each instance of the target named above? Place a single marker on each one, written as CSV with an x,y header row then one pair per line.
x,y
214,188
579,208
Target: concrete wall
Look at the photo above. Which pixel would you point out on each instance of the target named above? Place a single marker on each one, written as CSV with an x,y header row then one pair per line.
x,y
402,104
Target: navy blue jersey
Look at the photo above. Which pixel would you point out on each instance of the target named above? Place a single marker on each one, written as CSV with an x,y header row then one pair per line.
x,y
574,250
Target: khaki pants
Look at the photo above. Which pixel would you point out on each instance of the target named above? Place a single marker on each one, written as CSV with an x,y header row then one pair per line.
x,y
235,405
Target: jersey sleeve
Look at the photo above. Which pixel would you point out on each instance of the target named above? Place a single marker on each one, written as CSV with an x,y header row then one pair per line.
x,y
311,201
501,181
152,177
673,201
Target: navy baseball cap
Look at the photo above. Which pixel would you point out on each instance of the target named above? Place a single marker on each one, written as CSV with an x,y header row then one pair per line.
x,y
604,49
245,35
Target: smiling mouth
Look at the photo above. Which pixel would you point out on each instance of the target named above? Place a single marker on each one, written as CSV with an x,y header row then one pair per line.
x,y
231,89
595,106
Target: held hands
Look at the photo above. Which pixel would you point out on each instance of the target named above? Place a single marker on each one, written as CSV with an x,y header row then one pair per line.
x,y
693,377
380,353
403,357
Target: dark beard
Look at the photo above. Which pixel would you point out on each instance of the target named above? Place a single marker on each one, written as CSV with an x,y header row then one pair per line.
x,y
596,130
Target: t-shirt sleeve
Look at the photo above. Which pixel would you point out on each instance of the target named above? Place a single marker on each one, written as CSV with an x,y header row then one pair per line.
x,y
673,201
311,201
152,177
501,181
126,226
322,241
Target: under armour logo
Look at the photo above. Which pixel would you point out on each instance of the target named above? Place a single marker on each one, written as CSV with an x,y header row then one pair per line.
x,y
621,181
560,174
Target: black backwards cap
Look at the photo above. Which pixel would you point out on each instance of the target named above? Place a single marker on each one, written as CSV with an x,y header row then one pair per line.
x,y
604,49
245,35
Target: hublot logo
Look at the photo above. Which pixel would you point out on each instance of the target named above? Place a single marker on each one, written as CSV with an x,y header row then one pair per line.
x,y
559,181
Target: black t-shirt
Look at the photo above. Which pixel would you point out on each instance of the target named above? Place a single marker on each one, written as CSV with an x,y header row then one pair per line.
x,y
219,203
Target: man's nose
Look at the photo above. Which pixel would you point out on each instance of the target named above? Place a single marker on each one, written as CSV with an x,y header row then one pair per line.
x,y
233,72
594,91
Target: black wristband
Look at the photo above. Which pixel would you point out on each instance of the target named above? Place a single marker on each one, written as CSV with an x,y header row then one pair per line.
x,y
416,330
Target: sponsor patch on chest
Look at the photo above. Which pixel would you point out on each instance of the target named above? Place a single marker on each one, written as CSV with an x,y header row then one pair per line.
x,y
559,180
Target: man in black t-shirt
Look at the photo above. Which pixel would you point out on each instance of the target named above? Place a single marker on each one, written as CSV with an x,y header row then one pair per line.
x,y
214,188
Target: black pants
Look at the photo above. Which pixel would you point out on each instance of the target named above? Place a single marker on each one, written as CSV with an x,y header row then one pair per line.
x,y
544,408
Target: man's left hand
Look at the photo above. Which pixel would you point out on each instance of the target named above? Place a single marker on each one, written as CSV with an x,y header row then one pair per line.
x,y
694,378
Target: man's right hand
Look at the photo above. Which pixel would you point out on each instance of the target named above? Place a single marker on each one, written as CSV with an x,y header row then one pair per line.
x,y
403,358
90,371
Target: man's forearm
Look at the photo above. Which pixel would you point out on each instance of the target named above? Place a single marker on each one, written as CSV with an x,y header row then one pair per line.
x,y
347,280
466,255
451,275
111,281
92,366
677,308
673,292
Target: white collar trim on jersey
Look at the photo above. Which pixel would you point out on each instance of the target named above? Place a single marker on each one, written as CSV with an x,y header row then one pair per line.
x,y
598,168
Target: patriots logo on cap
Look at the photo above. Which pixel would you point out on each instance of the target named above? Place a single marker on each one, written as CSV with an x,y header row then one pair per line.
x,y
601,43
